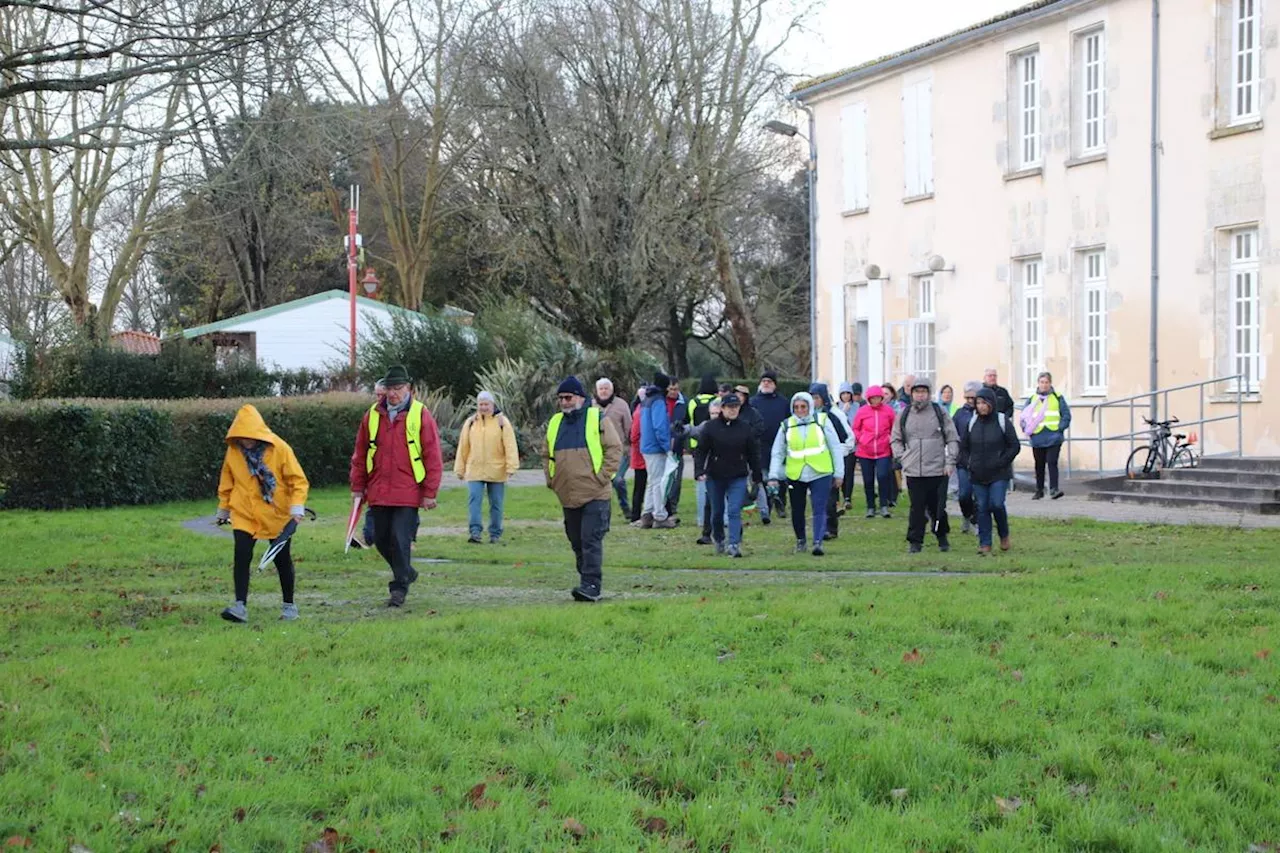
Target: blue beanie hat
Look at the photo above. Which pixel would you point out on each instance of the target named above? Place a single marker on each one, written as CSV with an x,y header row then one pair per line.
x,y
572,385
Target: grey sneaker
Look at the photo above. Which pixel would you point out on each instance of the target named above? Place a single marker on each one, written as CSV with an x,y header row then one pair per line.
x,y
871,512
719,547
801,546
289,612
734,551
494,540
665,524
236,613
966,527
884,512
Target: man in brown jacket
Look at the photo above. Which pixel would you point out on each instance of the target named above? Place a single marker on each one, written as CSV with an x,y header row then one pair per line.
x,y
582,453
617,412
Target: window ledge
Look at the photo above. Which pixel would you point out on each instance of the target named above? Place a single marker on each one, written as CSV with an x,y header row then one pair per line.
x,y
912,199
1092,395
1251,397
1033,172
1235,129
856,212
1085,159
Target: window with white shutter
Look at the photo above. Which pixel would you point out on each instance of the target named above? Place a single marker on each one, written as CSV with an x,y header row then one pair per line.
x,y
1244,60
853,139
1026,118
917,137
1091,79
1244,322
1032,315
1095,322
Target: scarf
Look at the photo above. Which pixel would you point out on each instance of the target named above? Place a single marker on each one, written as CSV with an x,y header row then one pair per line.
x,y
1033,415
392,411
258,468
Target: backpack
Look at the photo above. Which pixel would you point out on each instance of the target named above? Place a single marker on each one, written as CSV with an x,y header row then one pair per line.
x,y
937,410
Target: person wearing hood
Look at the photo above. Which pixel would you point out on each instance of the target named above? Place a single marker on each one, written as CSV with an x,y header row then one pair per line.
x,y
655,446
964,485
924,441
396,469
822,406
808,455
619,414
486,459
872,427
582,452
989,447
678,413
725,459
699,411
849,403
1045,420
261,489
640,479
773,410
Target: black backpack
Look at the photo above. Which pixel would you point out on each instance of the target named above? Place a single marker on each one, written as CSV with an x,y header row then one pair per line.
x,y
902,422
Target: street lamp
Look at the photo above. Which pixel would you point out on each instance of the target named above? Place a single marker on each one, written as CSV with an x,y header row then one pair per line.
x,y
370,281
811,169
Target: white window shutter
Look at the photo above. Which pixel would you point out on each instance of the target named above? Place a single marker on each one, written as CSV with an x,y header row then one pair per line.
x,y
924,127
853,143
911,142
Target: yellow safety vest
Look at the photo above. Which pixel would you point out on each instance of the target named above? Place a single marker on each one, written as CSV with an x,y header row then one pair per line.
x,y
809,450
1052,411
693,404
412,431
593,440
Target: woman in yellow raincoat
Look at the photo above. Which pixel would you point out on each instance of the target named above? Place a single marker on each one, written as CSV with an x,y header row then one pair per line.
x,y
261,490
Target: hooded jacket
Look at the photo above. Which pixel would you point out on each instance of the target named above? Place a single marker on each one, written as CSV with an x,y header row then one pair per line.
x,y
872,427
989,449
963,418
839,422
239,491
487,450
637,458
778,454
850,408
576,482
655,422
391,483
923,442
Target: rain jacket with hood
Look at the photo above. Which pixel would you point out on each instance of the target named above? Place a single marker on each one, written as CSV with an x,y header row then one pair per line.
x,y
637,458
655,422
240,492
778,455
873,427
990,445
487,449
392,483
924,440
839,421
850,408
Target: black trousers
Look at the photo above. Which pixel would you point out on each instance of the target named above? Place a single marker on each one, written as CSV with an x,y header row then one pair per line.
x,y
850,468
244,557
673,496
928,500
586,526
1046,457
393,530
640,481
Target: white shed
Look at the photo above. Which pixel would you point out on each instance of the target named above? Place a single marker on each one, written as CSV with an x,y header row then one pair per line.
x,y
311,332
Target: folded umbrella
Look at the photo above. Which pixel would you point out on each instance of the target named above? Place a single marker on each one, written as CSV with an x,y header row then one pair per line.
x,y
353,521
277,544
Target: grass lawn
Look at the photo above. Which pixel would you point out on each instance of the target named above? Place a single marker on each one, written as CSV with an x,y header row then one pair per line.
x,y
1101,687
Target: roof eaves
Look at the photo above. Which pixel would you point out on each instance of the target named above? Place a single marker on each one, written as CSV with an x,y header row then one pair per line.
x,y
929,49
262,313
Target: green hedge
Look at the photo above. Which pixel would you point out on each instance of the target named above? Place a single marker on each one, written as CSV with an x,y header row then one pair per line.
x,y
786,387
78,453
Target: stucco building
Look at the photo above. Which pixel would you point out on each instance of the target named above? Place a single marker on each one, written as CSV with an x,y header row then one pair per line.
x,y
986,199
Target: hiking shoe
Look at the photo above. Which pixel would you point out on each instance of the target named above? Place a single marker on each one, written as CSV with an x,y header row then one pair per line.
x,y
719,547
828,536
645,522
396,599
237,613
884,512
943,544
817,550
473,539
871,512
289,611
984,551
666,524
966,527
734,551
1056,493
764,519
1004,543
1039,495
495,540
704,539
587,594
848,505
801,546
914,548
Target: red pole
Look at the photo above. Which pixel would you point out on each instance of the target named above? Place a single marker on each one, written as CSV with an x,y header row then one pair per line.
x,y
351,276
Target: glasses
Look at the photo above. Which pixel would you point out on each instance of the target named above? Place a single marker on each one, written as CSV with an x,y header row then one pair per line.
x,y
970,399
565,396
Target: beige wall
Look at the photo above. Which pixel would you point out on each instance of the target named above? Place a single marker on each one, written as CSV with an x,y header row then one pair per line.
x,y
980,222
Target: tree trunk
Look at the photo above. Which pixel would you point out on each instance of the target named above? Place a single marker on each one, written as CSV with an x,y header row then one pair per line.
x,y
678,334
736,311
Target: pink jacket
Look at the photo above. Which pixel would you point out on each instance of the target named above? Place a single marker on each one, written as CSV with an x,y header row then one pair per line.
x,y
873,427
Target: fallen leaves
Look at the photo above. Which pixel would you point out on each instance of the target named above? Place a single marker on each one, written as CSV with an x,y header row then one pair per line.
x,y
17,841
1262,654
477,800
1079,790
913,657
654,825
328,842
239,815
575,828
1007,806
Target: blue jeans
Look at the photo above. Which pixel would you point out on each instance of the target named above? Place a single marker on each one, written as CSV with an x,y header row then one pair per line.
x,y
475,495
620,481
727,498
991,505
964,494
700,499
820,492
877,471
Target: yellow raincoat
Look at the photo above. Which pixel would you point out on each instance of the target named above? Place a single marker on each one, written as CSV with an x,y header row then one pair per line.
x,y
487,449
239,491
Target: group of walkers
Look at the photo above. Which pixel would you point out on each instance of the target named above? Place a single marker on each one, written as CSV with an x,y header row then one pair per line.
x,y
748,450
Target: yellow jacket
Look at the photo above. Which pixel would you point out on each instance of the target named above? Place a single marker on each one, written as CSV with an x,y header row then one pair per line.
x,y
240,492
487,449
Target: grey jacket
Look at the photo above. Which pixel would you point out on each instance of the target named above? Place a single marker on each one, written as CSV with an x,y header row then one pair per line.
x,y
930,447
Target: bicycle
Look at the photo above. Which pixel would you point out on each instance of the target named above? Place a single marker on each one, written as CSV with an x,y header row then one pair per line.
x,y
1166,450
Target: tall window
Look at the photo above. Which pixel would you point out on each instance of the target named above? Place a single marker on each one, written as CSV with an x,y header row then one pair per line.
x,y
1091,64
1032,324
1245,346
853,144
1027,118
1244,60
923,349
1095,322
917,138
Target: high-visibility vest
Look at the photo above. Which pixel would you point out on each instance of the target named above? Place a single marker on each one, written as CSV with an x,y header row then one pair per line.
x,y
412,432
693,404
811,449
593,440
1052,411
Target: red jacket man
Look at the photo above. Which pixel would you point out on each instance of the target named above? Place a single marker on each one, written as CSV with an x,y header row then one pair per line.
x,y
396,468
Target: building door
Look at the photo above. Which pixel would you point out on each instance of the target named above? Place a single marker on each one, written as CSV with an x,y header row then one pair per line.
x,y
862,337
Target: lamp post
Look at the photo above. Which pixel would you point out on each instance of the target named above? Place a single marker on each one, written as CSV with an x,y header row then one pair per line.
x,y
354,250
811,168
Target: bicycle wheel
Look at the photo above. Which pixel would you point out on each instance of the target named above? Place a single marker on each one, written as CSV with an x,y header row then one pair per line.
x,y
1183,457
1143,462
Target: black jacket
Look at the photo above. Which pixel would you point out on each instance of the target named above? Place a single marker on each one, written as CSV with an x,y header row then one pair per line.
x,y
989,450
962,419
727,449
752,418
1004,402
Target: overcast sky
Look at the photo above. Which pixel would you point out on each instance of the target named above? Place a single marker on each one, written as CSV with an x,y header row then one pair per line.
x,y
847,32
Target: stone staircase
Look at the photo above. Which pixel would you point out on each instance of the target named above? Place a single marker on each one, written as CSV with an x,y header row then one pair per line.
x,y
1239,484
